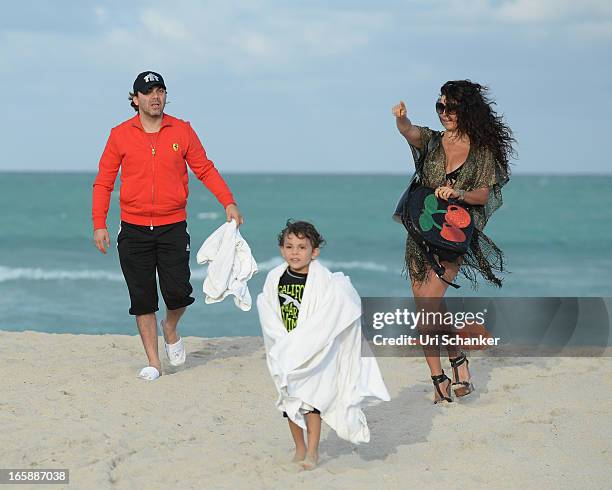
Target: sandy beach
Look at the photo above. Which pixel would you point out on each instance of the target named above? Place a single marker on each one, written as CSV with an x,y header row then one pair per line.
x,y
74,401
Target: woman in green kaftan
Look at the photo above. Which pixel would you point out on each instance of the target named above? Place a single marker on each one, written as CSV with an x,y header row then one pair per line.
x,y
467,161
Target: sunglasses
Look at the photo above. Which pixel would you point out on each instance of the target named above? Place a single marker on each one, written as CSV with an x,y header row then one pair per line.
x,y
441,108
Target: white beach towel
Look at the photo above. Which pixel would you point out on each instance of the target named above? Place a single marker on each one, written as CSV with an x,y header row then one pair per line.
x,y
230,266
319,363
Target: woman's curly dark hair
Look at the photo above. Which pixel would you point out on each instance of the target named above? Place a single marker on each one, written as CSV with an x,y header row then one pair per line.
x,y
477,119
301,229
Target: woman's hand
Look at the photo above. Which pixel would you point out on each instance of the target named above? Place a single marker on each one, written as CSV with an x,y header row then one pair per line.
x,y
399,110
405,127
445,192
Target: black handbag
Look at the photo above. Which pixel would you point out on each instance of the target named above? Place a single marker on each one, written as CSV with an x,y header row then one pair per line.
x,y
442,229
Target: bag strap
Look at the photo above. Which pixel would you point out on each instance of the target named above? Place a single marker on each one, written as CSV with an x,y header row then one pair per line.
x,y
436,266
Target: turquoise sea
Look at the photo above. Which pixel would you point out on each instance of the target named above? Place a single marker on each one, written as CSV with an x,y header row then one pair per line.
x,y
555,231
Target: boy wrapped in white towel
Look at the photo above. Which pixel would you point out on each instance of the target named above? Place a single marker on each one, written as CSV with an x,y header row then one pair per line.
x,y
310,319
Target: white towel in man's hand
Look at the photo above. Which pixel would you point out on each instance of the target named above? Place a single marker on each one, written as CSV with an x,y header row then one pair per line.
x,y
230,266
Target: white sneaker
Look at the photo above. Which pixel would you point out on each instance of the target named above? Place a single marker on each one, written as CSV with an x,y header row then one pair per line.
x,y
175,352
149,373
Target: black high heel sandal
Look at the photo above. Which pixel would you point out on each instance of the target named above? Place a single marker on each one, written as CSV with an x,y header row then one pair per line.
x,y
437,381
461,388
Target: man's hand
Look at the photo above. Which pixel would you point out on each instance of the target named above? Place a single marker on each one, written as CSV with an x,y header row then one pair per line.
x,y
232,212
101,239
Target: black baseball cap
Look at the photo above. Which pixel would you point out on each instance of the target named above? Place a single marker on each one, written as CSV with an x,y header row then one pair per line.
x,y
147,80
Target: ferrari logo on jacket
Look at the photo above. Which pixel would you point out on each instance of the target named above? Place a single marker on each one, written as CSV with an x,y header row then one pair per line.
x,y
175,147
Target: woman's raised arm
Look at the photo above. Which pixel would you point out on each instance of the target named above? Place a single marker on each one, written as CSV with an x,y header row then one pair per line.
x,y
405,127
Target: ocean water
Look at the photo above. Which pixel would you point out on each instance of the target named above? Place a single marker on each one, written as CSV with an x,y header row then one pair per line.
x,y
555,231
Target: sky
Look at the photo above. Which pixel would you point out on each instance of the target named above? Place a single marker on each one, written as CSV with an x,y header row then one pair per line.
x,y
296,86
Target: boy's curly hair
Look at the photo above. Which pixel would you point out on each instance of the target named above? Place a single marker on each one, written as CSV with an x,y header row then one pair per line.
x,y
301,229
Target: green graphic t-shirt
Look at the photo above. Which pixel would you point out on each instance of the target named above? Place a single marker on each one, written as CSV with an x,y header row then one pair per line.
x,y
290,290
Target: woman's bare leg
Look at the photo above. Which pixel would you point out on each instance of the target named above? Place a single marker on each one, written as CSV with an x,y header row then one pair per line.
x,y
428,295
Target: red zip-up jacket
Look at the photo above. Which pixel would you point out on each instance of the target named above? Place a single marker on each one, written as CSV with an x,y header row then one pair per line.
x,y
154,182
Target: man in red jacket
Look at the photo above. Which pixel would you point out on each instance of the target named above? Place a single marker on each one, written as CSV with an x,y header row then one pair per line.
x,y
151,149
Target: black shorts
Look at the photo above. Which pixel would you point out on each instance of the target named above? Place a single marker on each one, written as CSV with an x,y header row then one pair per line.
x,y
312,411
164,249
